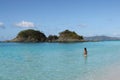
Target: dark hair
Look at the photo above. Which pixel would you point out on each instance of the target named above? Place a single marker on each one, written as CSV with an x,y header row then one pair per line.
x,y
85,48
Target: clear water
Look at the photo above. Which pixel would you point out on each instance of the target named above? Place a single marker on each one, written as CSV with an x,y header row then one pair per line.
x,y
58,61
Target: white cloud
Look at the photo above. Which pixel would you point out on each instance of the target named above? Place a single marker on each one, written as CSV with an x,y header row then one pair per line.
x,y
82,25
116,34
1,24
25,24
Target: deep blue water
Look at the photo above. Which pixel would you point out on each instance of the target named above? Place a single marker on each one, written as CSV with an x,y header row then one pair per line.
x,y
57,61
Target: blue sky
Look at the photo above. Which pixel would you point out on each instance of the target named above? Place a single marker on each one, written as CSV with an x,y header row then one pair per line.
x,y
86,17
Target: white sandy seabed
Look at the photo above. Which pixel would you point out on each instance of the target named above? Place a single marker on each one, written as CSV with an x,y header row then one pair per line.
x,y
111,72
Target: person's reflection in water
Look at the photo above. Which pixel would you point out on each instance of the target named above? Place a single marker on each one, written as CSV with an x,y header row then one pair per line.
x,y
85,57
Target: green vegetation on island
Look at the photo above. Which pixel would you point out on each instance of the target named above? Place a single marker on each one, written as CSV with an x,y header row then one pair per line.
x,y
52,38
37,36
69,36
30,36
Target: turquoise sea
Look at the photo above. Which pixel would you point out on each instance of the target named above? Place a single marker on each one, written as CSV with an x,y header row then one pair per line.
x,y
60,61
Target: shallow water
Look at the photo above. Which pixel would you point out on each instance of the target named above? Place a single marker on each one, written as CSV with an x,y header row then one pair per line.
x,y
59,61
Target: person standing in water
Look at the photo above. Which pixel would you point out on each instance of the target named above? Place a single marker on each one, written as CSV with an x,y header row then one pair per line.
x,y
85,51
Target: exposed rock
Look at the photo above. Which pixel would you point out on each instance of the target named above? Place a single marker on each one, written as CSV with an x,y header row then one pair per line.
x,y
30,36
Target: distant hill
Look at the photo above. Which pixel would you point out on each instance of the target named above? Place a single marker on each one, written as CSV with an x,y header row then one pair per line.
x,y
101,38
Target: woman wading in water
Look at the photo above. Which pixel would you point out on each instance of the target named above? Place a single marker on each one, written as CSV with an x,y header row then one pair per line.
x,y
85,51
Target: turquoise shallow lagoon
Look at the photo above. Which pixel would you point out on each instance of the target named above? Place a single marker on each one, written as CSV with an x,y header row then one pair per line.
x,y
60,61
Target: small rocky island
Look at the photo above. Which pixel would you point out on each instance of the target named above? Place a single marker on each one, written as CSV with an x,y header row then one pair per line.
x,y
31,35
69,36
